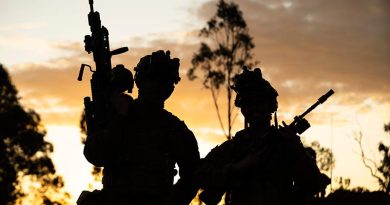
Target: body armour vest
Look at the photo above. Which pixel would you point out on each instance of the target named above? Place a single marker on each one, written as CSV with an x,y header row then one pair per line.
x,y
144,162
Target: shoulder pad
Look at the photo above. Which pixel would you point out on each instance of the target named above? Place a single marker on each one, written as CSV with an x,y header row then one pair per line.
x,y
172,120
170,117
239,135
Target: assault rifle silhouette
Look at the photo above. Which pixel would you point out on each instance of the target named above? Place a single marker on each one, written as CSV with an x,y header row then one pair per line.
x,y
97,109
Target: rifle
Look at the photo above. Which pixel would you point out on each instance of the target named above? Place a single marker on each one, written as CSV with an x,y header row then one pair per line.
x,y
97,110
300,124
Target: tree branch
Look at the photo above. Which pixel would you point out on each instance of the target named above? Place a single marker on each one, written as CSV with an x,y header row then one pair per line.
x,y
366,160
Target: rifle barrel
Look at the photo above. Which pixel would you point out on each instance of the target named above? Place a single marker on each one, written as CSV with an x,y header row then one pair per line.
x,y
91,5
320,100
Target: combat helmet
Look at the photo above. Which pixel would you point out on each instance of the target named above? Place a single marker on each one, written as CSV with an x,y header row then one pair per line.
x,y
122,79
158,66
250,84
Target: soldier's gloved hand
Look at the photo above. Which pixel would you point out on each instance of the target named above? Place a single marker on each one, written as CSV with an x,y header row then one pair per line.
x,y
292,142
289,134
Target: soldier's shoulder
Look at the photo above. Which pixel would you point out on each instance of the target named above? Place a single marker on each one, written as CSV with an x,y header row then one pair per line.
x,y
240,135
172,119
169,116
229,144
222,152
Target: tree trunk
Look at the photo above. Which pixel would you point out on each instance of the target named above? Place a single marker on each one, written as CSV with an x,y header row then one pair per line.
x,y
229,95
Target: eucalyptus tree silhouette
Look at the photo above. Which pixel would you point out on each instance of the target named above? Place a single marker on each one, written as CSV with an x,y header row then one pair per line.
x,y
25,154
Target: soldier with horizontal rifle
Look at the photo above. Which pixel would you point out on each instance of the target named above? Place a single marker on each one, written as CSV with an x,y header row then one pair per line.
x,y
263,164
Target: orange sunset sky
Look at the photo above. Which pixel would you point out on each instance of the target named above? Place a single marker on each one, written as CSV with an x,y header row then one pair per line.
x,y
305,48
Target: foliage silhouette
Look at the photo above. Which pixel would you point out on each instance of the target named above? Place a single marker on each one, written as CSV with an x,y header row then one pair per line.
x,y
324,156
379,170
359,196
25,154
228,47
384,166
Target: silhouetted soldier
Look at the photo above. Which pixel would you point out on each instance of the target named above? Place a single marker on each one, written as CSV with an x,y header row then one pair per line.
x,y
139,149
262,164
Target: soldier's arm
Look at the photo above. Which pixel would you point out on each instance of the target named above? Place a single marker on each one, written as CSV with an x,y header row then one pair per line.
x,y
185,151
215,173
215,169
307,176
306,173
99,146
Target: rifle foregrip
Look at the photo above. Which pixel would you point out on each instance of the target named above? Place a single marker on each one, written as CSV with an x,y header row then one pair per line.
x,y
119,51
80,77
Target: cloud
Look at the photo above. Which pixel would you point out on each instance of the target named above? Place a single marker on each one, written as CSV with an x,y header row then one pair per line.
x,y
74,47
20,49
308,47
21,41
23,26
